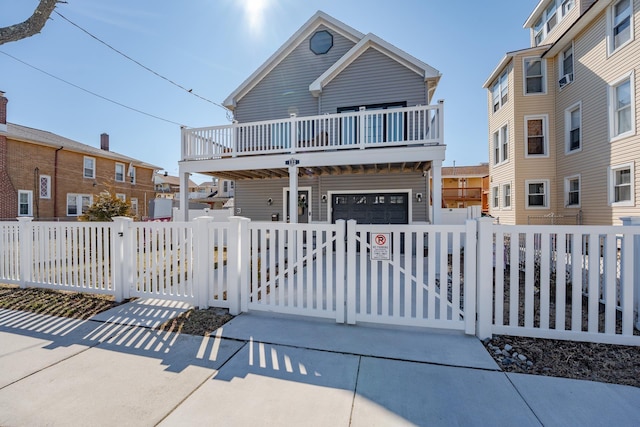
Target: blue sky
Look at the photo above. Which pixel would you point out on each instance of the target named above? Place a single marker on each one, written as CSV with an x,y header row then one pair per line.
x,y
212,46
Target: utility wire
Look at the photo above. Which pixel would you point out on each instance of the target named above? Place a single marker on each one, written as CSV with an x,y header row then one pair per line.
x,y
138,63
90,92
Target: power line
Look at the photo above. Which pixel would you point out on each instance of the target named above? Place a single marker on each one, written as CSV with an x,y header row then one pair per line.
x,y
190,91
90,92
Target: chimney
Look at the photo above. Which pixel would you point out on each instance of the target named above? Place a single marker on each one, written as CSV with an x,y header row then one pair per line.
x,y
8,193
3,110
104,141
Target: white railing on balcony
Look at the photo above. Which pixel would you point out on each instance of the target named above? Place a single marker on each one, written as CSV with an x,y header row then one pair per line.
x,y
362,129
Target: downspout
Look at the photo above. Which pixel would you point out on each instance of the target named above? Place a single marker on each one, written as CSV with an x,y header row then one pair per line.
x,y
55,183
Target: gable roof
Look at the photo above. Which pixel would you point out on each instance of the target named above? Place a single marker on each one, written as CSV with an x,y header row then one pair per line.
x,y
319,18
371,41
30,135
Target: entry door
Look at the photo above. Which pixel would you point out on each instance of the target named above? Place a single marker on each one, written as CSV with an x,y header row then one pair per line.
x,y
304,206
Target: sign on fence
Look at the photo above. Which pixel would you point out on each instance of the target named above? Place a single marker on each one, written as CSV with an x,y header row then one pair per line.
x,y
380,247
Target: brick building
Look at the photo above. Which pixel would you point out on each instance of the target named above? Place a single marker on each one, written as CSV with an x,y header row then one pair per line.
x,y
47,176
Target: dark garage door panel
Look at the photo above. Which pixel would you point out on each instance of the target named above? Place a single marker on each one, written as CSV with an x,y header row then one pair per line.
x,y
371,208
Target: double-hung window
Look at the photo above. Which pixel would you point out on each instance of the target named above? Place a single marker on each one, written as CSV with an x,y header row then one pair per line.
x,y
549,18
77,204
621,188
622,107
25,203
501,145
537,194
120,172
573,128
496,197
134,205
619,25
572,191
506,196
534,76
536,136
89,167
566,67
500,91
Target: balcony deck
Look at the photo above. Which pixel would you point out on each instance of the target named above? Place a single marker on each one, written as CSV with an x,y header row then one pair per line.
x,y
365,129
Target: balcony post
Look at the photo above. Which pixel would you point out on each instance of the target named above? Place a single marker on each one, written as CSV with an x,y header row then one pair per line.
x,y
294,134
184,195
441,120
234,138
436,183
361,127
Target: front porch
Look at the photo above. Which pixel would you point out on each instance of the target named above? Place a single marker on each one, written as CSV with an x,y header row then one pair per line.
x,y
399,140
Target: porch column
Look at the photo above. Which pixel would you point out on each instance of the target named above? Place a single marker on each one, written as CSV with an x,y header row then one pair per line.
x,y
184,195
436,187
293,190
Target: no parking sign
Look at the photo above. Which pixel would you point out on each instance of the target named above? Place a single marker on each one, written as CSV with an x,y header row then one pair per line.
x,y
380,246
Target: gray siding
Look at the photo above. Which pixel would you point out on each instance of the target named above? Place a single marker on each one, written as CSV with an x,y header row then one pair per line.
x,y
287,85
373,78
252,195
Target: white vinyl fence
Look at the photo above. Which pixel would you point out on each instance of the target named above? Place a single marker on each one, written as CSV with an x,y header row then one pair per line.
x,y
565,282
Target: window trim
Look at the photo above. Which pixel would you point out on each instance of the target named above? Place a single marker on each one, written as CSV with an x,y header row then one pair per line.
x,y
543,75
78,196
561,71
610,27
131,174
47,194
545,182
495,197
611,185
502,145
545,129
124,172
121,196
612,111
567,128
93,169
506,206
567,189
501,87
133,202
29,194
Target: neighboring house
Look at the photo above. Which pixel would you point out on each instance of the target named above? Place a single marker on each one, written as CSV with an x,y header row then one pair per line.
x,y
47,176
464,186
216,193
168,187
563,117
338,124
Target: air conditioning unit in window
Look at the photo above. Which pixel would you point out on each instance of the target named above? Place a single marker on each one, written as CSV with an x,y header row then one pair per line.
x,y
565,80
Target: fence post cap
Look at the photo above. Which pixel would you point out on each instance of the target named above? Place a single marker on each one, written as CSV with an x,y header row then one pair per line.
x,y
24,218
122,219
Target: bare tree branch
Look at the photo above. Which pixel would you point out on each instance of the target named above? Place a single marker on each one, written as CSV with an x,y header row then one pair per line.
x,y
31,26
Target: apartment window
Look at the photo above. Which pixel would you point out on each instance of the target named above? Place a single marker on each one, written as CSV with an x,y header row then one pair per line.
x,y
121,197
45,187
501,145
25,203
620,25
506,195
567,5
566,67
534,76
134,205
622,109
572,191
132,174
77,204
572,125
537,194
500,91
120,172
621,188
496,197
89,169
536,136
547,21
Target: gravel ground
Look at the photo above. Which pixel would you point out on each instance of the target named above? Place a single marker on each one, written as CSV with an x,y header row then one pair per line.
x,y
569,359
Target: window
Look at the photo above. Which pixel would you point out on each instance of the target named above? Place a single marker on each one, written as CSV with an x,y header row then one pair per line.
x,y
496,197
535,133
25,203
551,16
321,42
122,197
45,187
621,188
500,91
77,204
120,172
567,5
566,67
89,170
132,174
134,205
619,25
225,186
572,191
534,82
537,194
501,145
548,20
573,133
506,196
621,107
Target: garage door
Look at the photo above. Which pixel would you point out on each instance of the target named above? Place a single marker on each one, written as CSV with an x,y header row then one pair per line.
x,y
371,208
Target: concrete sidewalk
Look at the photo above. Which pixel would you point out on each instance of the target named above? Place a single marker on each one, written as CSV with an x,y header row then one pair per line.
x,y
262,370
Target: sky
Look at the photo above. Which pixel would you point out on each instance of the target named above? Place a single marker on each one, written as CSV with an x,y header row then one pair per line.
x,y
211,46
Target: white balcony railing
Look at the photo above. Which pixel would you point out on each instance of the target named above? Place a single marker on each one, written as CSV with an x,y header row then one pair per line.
x,y
421,125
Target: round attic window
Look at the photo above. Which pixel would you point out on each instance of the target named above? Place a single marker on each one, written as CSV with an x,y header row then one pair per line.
x,y
321,42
